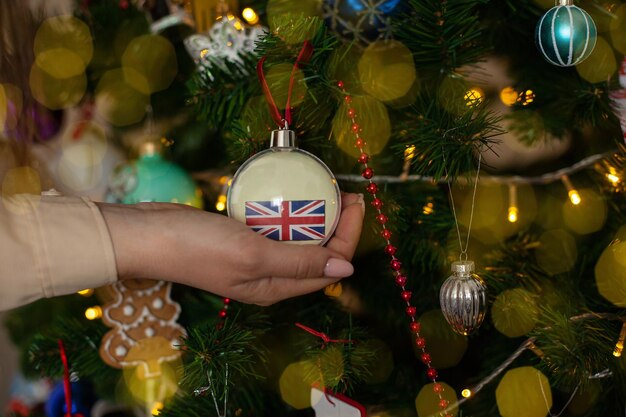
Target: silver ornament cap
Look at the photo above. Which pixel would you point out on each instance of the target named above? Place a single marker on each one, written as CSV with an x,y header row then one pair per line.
x,y
463,298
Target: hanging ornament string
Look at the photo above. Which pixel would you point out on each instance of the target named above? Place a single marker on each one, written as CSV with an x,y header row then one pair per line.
x,y
67,384
463,254
395,264
325,338
211,390
283,121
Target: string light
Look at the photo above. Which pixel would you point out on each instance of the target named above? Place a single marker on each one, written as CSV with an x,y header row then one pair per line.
x,y
534,349
250,15
508,96
429,207
86,292
409,155
474,96
573,194
619,346
513,209
526,97
156,408
93,313
466,393
612,176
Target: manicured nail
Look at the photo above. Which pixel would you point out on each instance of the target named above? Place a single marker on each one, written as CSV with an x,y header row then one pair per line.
x,y
361,201
338,268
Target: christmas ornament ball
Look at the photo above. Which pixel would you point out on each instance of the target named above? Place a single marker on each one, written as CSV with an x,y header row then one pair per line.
x,y
524,392
82,400
361,20
286,194
463,298
565,34
151,178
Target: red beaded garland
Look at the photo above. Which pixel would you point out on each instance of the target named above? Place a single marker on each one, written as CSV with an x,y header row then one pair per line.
x,y
356,127
340,84
381,218
389,249
420,342
411,311
438,388
443,403
367,173
432,373
395,264
372,188
426,358
348,99
351,112
222,314
359,143
401,280
415,326
226,301
377,203
364,158
386,234
406,295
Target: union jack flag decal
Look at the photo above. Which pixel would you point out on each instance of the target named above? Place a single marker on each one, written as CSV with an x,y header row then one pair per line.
x,y
288,220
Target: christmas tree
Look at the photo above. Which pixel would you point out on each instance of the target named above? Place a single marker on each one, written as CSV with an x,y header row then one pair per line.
x,y
485,136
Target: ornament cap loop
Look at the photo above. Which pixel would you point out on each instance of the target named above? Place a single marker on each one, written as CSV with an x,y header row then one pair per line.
x,y
565,2
463,267
283,138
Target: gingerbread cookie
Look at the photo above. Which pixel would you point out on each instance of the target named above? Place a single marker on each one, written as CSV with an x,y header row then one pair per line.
x,y
144,331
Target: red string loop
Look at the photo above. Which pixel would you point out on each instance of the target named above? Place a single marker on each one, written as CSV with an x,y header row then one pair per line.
x,y
304,56
322,336
66,380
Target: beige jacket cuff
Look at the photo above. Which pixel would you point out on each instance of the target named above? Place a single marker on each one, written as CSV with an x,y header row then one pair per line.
x,y
50,246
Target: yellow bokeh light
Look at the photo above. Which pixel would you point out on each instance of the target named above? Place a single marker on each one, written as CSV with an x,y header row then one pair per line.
x,y
618,29
524,392
220,205
526,97
373,118
386,70
63,47
278,80
619,346
429,208
250,15
156,408
515,312
117,102
557,252
600,65
86,292
446,347
513,214
93,313
295,384
588,215
474,96
610,272
149,63
223,179
466,393
56,93
427,401
508,96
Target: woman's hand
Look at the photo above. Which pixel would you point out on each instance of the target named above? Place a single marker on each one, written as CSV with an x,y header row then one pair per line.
x,y
215,253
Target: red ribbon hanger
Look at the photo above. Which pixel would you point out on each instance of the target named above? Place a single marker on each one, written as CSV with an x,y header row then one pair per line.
x,y
283,121
67,383
322,336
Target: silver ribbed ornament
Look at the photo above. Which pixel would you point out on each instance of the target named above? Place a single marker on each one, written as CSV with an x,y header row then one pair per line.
x,y
463,298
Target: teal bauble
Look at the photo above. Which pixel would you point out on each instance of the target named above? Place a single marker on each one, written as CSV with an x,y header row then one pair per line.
x,y
566,35
151,178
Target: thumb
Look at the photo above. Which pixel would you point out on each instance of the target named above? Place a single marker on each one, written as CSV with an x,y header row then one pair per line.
x,y
305,261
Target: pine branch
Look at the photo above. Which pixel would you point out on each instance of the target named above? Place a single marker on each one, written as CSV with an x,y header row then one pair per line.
x,y
446,143
443,35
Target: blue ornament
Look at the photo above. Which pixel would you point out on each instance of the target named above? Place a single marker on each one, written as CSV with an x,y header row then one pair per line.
x,y
82,400
153,179
566,34
362,20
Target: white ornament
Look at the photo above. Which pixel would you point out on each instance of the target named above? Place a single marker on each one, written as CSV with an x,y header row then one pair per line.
x,y
226,40
334,405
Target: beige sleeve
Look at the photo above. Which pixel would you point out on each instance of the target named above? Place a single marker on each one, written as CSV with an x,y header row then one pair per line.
x,y
50,246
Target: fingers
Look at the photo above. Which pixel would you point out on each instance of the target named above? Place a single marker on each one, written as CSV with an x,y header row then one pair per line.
x,y
279,289
348,231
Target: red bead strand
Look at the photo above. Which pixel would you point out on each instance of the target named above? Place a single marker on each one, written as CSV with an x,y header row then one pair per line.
x,y
395,264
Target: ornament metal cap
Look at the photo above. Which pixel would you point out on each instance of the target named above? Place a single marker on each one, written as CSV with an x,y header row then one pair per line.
x,y
463,267
565,2
283,138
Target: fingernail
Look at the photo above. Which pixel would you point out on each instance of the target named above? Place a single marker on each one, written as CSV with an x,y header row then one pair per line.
x,y
338,268
361,201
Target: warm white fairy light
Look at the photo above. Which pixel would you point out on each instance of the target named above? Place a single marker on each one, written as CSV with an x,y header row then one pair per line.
x,y
513,209
573,194
619,346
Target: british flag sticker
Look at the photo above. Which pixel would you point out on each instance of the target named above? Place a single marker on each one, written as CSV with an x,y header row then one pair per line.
x,y
296,220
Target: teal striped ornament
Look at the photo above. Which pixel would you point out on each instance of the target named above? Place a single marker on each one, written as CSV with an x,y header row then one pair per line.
x,y
566,35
